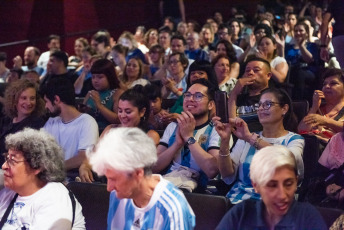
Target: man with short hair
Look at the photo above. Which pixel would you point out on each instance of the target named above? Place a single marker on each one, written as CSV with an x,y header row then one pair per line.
x,y
57,68
189,147
101,43
195,51
138,199
31,55
53,45
164,39
73,131
245,105
223,33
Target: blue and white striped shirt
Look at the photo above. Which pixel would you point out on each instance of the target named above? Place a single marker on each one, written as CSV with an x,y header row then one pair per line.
x,y
242,155
167,209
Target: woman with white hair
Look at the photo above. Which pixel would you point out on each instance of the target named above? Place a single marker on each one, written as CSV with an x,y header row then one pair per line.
x,y
273,172
138,198
34,198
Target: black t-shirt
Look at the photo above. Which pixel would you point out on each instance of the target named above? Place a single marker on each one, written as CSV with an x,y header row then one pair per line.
x,y
247,107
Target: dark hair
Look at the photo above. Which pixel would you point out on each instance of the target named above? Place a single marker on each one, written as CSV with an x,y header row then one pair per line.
x,y
266,28
61,87
273,42
52,37
102,37
157,48
304,25
179,37
18,71
165,29
234,20
182,58
229,50
283,98
125,76
254,58
223,26
152,91
119,48
90,50
60,55
329,72
307,18
211,88
138,99
106,67
3,56
206,67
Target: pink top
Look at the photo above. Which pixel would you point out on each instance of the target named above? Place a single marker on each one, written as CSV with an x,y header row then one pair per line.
x,y
333,155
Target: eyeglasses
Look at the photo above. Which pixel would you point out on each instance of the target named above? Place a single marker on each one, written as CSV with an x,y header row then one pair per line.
x,y
10,161
196,96
267,104
173,62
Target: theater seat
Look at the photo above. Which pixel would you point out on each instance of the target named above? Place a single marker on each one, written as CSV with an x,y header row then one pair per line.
x,y
94,199
209,209
329,214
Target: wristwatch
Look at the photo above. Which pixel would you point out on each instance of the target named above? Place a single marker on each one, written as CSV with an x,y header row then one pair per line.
x,y
191,141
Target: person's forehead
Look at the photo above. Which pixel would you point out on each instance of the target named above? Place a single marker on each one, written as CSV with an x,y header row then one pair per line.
x,y
254,64
177,41
197,88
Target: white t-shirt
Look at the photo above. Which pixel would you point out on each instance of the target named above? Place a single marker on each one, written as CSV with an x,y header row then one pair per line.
x,y
78,134
276,61
43,60
48,208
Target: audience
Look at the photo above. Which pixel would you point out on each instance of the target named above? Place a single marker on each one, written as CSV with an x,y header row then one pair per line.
x,y
34,196
102,102
53,45
275,114
326,116
133,74
273,172
73,131
188,150
79,45
23,107
138,199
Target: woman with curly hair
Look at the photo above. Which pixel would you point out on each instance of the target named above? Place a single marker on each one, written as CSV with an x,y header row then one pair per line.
x,y
23,107
33,196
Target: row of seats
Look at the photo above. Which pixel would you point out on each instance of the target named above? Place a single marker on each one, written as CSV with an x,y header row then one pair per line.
x,y
209,209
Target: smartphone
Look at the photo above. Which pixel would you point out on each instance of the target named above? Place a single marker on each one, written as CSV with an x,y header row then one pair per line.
x,y
221,104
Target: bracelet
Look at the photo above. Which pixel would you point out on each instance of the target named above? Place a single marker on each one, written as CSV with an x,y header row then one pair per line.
x,y
256,144
253,138
224,155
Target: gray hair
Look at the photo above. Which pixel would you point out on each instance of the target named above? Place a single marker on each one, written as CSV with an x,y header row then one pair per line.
x,y
124,149
41,151
267,160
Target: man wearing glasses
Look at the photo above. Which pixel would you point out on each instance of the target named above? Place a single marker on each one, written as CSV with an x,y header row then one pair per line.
x,y
188,150
244,98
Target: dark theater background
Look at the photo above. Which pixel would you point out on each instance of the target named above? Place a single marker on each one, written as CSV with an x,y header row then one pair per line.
x,y
30,22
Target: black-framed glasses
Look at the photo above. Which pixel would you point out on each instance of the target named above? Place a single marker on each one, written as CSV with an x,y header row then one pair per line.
x,y
267,104
10,161
174,62
196,96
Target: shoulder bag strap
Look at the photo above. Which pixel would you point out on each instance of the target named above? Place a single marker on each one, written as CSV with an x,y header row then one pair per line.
x,y
71,195
9,208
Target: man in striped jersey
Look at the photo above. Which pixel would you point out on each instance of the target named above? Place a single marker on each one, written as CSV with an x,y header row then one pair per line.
x,y
139,199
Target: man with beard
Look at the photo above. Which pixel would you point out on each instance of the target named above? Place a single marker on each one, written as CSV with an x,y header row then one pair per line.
x,y
73,131
31,56
244,98
189,148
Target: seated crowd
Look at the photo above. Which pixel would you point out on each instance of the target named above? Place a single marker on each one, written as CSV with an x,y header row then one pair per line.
x,y
143,117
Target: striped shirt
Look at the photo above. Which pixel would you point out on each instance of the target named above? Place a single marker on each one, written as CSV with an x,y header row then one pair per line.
x,y
167,209
242,155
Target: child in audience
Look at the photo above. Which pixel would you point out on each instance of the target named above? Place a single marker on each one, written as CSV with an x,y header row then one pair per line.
x,y
156,54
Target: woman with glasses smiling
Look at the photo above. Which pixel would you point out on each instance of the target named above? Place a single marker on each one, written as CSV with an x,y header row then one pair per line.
x,y
33,197
274,113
